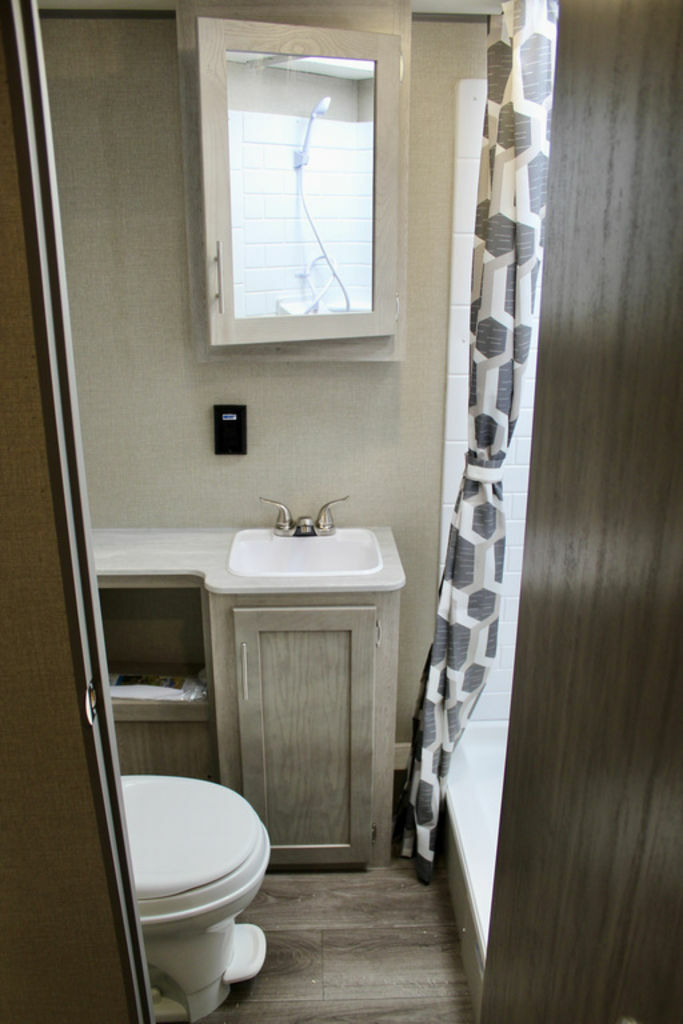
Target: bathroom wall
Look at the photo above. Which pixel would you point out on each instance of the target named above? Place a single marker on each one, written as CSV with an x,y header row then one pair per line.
x,y
316,431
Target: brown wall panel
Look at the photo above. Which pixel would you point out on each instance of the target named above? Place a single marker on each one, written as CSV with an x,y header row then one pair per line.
x,y
60,956
587,921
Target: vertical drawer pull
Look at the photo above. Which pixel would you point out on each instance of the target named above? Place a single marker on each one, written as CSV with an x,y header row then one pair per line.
x,y
221,278
245,676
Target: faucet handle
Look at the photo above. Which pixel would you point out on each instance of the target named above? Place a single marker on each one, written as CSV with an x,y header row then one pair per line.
x,y
324,523
284,524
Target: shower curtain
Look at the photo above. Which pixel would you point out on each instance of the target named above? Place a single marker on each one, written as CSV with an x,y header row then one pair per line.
x,y
505,275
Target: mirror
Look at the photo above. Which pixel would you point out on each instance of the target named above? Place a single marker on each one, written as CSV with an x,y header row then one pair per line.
x,y
301,149
299,132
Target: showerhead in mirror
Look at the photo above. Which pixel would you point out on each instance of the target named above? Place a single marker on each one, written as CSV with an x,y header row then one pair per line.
x,y
319,110
300,161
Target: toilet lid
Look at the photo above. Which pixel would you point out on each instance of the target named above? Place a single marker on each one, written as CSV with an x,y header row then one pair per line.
x,y
184,833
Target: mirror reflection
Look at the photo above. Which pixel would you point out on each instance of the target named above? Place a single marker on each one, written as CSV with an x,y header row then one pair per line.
x,y
301,149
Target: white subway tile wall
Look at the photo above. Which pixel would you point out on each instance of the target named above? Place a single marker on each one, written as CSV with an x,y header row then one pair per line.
x,y
270,228
494,703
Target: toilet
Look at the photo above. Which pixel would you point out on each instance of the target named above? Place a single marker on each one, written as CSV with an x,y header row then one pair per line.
x,y
199,853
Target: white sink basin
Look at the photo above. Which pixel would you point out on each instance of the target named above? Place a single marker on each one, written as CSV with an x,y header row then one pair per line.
x,y
348,552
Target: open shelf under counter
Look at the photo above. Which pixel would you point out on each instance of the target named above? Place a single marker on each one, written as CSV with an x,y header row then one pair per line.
x,y
127,710
157,626
123,581
134,709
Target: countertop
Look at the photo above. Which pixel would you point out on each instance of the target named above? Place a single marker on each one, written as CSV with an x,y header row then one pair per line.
x,y
203,555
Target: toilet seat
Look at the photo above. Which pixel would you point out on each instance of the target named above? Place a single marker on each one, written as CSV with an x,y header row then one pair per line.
x,y
195,845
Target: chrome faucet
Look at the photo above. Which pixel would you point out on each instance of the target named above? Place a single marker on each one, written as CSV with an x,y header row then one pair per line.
x,y
305,527
285,526
324,523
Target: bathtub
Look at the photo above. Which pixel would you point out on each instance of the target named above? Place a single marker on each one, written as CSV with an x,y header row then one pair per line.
x,y
473,800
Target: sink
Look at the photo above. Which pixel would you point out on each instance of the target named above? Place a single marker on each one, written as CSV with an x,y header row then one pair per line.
x,y
348,552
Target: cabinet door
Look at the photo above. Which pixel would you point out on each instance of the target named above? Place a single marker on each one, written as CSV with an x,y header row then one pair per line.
x,y
306,687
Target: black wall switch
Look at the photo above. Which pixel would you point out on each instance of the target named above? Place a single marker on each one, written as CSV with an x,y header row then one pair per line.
x,y
230,429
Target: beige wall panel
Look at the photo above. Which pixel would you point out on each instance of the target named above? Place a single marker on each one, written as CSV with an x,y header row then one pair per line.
x,y
316,431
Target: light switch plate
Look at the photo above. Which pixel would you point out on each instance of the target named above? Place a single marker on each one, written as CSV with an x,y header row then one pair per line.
x,y
230,429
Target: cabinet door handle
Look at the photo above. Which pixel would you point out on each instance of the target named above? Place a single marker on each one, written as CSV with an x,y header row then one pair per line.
x,y
245,675
221,278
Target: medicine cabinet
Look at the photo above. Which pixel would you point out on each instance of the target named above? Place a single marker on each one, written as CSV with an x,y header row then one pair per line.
x,y
300,182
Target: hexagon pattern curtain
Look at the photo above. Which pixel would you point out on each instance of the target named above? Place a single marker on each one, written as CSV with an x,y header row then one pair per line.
x,y
505,274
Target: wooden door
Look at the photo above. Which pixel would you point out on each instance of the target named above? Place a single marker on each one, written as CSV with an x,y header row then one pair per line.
x,y
306,682
587,919
70,938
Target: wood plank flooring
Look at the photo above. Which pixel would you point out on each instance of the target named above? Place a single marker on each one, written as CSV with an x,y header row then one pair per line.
x,y
374,947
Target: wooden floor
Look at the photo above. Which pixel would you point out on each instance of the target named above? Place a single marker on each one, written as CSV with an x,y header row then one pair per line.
x,y
376,947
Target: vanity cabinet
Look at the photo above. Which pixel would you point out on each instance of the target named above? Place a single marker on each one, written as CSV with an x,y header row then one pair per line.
x,y
159,631
306,679
302,674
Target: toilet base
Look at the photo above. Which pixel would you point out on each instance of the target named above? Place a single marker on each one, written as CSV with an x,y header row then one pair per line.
x,y
167,1010
248,954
